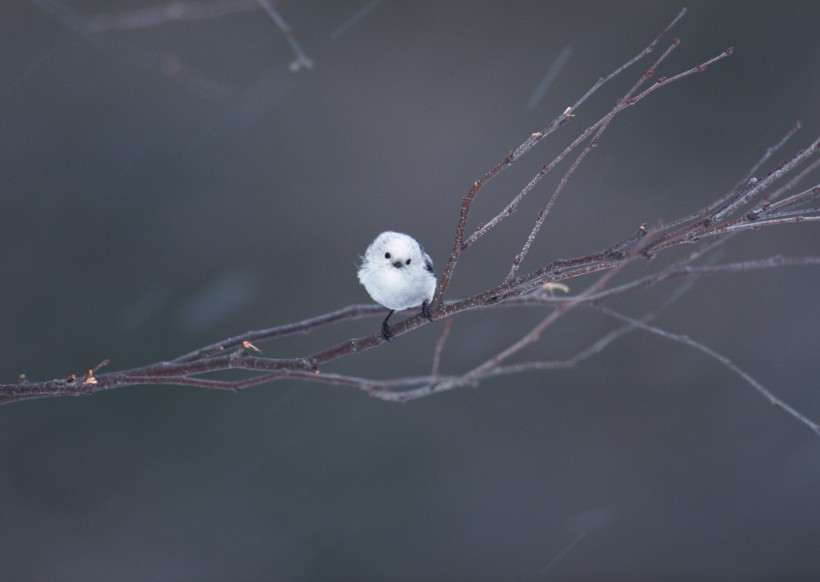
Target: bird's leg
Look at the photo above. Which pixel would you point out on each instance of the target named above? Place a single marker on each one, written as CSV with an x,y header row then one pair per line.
x,y
425,311
386,328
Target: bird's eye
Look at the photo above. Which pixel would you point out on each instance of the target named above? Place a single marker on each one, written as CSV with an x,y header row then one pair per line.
x,y
386,255
407,262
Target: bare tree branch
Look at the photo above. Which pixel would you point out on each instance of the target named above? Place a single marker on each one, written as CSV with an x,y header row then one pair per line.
x,y
775,401
527,145
676,271
302,60
174,11
354,20
442,340
766,204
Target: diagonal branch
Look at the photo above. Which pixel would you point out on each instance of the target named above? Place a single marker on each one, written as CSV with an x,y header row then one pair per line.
x,y
601,128
706,229
512,157
684,339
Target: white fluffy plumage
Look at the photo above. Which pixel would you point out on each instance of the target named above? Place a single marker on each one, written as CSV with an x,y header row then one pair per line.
x,y
397,273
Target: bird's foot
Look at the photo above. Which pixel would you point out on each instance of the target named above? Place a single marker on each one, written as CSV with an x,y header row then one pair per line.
x,y
425,311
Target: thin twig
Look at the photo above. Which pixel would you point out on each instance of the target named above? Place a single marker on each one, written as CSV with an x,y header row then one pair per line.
x,y
793,201
422,389
744,197
535,333
770,151
355,19
684,339
442,340
633,60
512,157
552,73
669,274
718,218
306,326
175,11
302,60
709,228
799,177
711,208
542,215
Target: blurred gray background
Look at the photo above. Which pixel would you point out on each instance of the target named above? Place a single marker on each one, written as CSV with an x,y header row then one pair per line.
x,y
167,187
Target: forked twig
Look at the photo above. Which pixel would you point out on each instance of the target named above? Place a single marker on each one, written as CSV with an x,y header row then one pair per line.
x,y
755,203
684,339
302,60
527,145
174,11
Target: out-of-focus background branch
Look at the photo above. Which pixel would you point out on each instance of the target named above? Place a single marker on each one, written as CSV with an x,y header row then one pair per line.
x,y
168,186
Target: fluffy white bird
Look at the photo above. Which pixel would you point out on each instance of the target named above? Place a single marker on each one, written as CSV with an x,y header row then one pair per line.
x,y
398,274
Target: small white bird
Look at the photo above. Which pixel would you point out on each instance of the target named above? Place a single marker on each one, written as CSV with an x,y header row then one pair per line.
x,y
398,274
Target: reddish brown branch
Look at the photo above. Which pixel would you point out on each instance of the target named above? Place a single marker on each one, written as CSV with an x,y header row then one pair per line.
x,y
680,338
512,157
706,229
442,340
601,128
